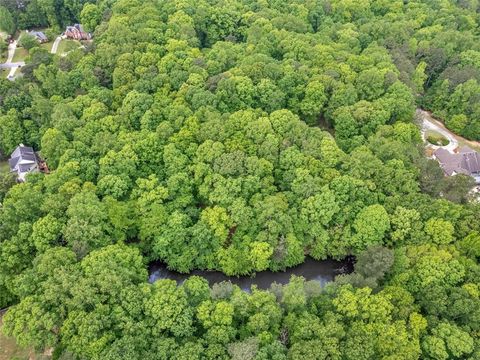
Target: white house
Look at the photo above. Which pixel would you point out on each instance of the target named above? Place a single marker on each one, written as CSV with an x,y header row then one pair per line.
x,y
23,161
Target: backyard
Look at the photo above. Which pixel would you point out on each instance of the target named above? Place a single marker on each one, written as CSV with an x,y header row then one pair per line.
x,y
20,54
67,45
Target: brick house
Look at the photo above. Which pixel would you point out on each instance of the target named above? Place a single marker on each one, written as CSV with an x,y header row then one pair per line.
x,y
76,32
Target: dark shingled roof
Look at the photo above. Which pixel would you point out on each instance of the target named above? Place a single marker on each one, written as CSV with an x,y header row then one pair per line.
x,y
466,161
40,35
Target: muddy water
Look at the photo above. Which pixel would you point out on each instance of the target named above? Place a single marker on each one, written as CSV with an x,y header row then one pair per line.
x,y
321,271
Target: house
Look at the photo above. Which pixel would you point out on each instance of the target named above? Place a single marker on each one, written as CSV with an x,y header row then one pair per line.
x,y
466,161
24,161
76,32
41,37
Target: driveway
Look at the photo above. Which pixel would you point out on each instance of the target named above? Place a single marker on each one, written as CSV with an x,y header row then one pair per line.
x,y
12,65
11,51
9,64
429,123
56,43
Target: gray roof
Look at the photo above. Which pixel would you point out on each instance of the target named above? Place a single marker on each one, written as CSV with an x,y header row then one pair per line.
x,y
78,27
471,162
466,161
24,154
40,35
24,167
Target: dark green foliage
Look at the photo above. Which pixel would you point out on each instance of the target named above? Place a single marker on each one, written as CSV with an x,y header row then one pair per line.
x,y
191,133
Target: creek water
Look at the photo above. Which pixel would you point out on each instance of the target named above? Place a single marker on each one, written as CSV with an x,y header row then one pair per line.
x,y
322,271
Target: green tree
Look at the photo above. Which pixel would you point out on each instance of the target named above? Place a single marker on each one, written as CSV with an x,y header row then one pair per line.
x,y
11,131
7,23
28,42
90,16
370,225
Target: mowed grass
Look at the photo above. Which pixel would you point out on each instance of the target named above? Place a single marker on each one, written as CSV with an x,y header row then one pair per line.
x,y
20,54
4,73
67,45
47,46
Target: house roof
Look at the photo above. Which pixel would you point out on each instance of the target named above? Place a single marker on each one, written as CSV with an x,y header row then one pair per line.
x,y
22,157
466,161
78,27
471,162
39,34
465,149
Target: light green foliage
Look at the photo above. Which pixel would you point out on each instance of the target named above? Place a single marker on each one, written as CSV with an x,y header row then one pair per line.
x,y
90,16
54,143
440,231
87,226
406,226
28,41
419,76
169,310
470,245
46,232
370,226
11,132
447,342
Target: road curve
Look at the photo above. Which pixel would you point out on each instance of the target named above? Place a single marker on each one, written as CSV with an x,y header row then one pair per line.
x,y
55,44
429,123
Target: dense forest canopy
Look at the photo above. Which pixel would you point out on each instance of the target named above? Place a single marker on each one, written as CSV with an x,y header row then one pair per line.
x,y
242,136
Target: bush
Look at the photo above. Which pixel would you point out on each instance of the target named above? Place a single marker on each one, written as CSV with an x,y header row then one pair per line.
x,y
28,42
437,139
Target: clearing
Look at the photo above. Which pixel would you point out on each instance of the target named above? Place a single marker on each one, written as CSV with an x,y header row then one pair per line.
x,y
67,45
20,55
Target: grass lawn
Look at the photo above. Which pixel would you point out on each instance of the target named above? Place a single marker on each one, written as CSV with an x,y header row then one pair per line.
x,y
4,167
67,45
3,54
20,54
4,73
436,138
47,46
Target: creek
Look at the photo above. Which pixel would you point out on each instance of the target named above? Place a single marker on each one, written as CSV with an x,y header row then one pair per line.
x,y
322,271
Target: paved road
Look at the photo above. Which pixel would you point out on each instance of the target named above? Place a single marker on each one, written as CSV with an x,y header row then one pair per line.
x,y
11,51
13,69
429,123
55,44
12,65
